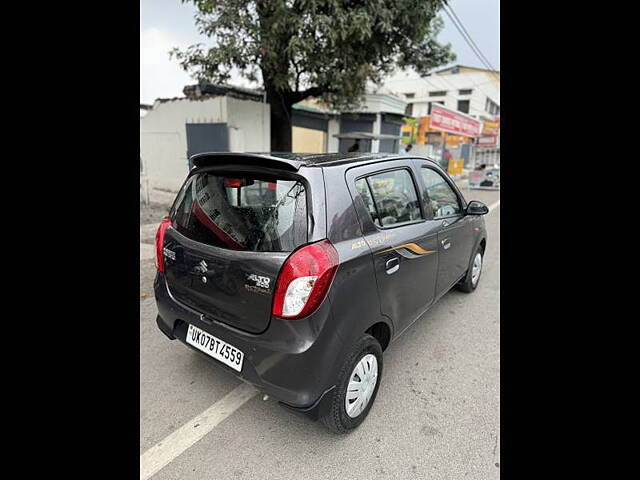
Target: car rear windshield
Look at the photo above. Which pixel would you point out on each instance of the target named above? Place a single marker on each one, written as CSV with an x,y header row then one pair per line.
x,y
243,212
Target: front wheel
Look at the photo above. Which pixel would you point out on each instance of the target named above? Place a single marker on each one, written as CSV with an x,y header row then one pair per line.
x,y
357,387
469,283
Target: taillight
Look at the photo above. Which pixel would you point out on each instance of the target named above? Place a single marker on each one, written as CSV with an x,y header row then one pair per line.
x,y
164,224
304,280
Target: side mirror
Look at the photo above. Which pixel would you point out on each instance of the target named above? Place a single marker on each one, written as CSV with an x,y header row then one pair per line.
x,y
477,208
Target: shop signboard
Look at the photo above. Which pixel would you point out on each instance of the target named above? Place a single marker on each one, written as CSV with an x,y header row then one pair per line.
x,y
488,141
451,121
491,128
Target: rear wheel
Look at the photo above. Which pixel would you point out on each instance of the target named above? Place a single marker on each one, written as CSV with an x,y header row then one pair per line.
x,y
470,281
357,387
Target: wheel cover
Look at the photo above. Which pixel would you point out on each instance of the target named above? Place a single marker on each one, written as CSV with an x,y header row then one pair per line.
x,y
362,383
476,269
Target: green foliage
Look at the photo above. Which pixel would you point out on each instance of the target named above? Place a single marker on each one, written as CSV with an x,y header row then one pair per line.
x,y
321,48
413,123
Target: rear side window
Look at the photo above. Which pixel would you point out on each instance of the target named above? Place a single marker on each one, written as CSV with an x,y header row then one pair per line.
x,y
243,212
365,193
390,197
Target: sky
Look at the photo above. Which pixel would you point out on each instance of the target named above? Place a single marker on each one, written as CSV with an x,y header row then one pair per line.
x,y
165,24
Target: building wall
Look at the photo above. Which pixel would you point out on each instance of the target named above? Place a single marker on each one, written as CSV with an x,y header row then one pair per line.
x,y
307,140
249,125
483,85
382,102
163,142
333,144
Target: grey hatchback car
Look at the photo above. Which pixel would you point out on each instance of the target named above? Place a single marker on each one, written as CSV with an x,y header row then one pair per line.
x,y
295,272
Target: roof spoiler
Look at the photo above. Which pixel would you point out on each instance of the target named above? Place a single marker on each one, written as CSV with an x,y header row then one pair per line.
x,y
258,159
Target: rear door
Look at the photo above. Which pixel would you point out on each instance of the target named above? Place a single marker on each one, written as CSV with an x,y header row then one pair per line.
x,y
232,231
455,237
402,239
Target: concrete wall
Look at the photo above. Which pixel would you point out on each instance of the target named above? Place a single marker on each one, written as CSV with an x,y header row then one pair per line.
x,y
307,140
249,125
163,142
333,144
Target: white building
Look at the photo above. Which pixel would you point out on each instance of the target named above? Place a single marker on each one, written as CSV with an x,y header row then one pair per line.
x,y
470,90
473,91
229,120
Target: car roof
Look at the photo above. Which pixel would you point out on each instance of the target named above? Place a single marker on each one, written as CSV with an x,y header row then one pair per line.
x,y
296,160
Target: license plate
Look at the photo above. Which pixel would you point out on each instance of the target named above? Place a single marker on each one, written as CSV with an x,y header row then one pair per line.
x,y
216,348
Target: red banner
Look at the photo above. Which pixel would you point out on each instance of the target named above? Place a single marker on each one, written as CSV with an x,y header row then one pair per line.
x,y
453,122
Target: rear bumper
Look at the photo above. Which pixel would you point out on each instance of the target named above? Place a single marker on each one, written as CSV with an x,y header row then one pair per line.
x,y
295,362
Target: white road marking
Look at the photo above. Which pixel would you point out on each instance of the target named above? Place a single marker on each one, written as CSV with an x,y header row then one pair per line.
x,y
147,251
494,206
162,453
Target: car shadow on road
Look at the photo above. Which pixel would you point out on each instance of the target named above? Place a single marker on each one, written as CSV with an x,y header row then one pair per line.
x,y
277,418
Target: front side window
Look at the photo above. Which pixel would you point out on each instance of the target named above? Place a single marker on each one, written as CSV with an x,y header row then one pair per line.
x,y
243,212
441,197
394,195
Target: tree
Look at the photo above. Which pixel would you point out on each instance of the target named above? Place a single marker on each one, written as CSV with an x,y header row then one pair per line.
x,y
327,49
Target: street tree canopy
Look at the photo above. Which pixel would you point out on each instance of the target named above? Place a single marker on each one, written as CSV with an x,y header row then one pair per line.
x,y
326,49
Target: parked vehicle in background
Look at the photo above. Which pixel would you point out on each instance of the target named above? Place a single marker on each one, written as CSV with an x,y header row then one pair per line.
x,y
295,272
485,178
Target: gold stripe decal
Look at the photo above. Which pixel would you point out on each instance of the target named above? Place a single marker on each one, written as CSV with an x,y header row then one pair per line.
x,y
412,247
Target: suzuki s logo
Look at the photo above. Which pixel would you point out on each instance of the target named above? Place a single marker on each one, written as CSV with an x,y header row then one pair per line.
x,y
201,267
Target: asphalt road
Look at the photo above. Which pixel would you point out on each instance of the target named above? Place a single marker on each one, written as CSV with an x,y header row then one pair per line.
x,y
436,415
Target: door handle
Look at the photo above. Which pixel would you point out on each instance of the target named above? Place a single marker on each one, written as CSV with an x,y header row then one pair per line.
x,y
392,265
446,244
445,223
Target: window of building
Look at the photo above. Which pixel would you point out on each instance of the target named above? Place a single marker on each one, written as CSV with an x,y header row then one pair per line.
x,y
465,92
439,93
463,106
408,111
492,107
442,200
390,197
409,95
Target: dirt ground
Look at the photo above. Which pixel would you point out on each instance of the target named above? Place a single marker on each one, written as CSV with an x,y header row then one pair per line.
x,y
152,213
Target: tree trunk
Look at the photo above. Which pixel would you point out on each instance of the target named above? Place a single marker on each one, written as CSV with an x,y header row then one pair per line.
x,y
281,114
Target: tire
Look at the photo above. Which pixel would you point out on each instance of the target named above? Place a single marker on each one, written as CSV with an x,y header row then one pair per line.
x,y
467,284
337,419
